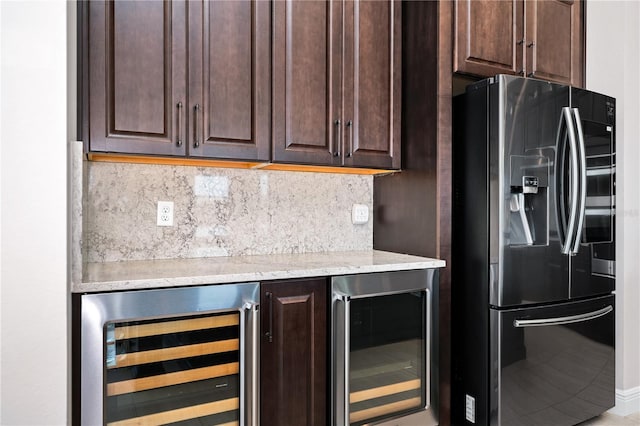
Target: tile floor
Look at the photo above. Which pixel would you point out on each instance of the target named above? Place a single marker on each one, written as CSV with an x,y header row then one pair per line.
x,y
608,419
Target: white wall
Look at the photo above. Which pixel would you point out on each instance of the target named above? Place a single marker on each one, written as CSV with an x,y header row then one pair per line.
x,y
33,198
613,67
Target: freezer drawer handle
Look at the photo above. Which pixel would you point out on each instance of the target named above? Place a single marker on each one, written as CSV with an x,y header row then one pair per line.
x,y
563,320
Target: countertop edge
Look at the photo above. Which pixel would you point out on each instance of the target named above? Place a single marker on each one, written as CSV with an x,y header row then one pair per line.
x,y
399,262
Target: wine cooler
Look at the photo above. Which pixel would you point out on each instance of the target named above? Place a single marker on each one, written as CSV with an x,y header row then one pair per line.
x,y
385,348
184,356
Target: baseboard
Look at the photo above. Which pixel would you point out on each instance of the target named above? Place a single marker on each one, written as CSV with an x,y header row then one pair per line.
x,y
627,402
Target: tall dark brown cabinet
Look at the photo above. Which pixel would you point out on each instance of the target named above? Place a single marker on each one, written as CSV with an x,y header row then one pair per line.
x,y
412,209
336,83
542,39
293,353
139,98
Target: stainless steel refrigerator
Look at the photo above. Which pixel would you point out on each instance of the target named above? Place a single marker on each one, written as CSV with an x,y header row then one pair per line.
x,y
533,264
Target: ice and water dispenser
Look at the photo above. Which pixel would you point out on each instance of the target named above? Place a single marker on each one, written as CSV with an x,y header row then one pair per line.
x,y
529,200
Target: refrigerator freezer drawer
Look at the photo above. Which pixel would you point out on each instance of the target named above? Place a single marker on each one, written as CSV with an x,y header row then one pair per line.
x,y
556,363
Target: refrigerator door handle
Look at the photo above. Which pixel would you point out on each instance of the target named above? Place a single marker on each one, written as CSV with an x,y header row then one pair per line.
x,y
562,320
573,181
559,187
583,181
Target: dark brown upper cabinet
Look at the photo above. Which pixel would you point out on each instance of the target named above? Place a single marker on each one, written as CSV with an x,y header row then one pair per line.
x,y
179,78
555,41
229,79
336,83
536,38
293,353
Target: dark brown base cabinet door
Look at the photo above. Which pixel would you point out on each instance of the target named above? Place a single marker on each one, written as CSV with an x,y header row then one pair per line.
x,y
136,76
293,353
139,54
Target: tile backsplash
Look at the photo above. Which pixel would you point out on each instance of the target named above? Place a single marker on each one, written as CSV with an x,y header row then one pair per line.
x,y
219,212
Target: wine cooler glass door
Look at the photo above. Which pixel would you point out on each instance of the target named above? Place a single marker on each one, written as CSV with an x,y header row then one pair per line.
x,y
387,349
184,356
383,352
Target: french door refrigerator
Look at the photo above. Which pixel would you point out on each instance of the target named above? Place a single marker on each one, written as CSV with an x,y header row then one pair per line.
x,y
533,266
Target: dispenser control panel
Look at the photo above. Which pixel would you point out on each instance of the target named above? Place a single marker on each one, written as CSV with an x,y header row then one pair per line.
x,y
530,184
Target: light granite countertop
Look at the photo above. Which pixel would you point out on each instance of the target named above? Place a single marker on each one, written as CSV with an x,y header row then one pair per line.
x,y
144,274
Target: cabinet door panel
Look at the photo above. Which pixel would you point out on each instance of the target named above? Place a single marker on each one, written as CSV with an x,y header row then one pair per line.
x,y
372,84
137,77
139,97
486,37
555,28
229,79
294,362
306,84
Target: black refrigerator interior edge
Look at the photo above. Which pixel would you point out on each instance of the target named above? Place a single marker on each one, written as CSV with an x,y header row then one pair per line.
x,y
533,255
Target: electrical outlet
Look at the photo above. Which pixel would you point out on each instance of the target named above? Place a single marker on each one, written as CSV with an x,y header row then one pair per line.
x,y
359,214
165,213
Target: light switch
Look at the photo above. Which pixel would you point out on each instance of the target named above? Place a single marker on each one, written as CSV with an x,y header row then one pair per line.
x,y
360,214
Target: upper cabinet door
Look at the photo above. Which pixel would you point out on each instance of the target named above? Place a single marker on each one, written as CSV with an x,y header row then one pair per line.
x,y
136,76
372,84
488,37
536,38
555,41
229,79
307,63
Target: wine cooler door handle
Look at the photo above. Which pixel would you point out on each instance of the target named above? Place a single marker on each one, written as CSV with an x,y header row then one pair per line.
x,y
252,373
428,337
340,359
347,367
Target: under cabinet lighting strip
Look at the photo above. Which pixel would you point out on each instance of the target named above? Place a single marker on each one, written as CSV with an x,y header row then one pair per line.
x,y
197,162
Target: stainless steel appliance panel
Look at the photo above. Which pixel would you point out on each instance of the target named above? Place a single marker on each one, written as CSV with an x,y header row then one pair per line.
x,y
529,123
556,363
385,348
131,343
593,266
534,208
